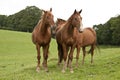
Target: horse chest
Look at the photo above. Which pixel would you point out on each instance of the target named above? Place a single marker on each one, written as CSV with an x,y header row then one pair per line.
x,y
70,41
43,39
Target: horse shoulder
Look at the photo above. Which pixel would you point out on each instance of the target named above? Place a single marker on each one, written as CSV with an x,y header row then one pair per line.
x,y
80,38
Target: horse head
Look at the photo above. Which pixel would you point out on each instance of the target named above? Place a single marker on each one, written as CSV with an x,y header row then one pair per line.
x,y
48,17
76,19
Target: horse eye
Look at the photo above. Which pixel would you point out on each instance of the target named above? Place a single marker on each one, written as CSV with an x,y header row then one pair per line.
x,y
47,17
76,19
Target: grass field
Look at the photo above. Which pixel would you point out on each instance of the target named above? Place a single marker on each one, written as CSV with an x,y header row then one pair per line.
x,y
18,61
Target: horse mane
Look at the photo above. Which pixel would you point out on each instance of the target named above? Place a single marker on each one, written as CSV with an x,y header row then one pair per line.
x,y
61,19
69,19
40,21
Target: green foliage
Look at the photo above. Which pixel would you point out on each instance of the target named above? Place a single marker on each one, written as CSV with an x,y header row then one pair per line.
x,y
109,33
18,61
25,20
3,20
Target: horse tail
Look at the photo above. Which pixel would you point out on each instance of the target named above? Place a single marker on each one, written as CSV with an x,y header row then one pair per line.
x,y
95,44
60,49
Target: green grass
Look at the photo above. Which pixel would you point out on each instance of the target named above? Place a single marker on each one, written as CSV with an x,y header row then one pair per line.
x,y
18,61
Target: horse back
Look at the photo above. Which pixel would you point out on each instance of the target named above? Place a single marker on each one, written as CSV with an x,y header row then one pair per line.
x,y
89,36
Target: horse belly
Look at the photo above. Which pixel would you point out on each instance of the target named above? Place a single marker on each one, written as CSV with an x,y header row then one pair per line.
x,y
88,41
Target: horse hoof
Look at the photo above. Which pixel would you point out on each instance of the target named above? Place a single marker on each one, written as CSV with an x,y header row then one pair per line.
x,y
38,69
63,71
46,70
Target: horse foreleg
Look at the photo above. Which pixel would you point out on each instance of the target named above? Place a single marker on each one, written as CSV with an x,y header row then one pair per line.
x,y
64,57
60,54
59,58
77,55
45,55
71,58
38,57
84,53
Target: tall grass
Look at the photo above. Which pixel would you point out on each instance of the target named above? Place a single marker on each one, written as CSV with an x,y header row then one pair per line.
x,y
18,61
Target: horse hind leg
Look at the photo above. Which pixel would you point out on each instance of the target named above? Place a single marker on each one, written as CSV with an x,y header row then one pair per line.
x,y
45,55
38,57
77,56
92,53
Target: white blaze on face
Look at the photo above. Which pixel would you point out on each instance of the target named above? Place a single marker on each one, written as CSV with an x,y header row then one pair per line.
x,y
81,26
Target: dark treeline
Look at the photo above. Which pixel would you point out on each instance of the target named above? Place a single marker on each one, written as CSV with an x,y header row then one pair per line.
x,y
25,20
109,33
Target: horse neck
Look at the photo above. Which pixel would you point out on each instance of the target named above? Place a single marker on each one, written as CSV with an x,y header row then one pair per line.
x,y
70,29
44,27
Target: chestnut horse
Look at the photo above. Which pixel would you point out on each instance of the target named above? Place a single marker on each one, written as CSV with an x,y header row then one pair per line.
x,y
41,37
86,38
66,37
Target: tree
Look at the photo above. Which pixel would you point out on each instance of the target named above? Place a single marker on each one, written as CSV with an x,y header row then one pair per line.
x,y
109,33
115,26
3,20
25,20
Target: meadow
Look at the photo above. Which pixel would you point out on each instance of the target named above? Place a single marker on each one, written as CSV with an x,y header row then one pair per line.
x,y
18,61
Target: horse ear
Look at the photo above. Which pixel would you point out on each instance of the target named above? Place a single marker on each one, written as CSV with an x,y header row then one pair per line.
x,y
43,11
75,11
50,9
80,11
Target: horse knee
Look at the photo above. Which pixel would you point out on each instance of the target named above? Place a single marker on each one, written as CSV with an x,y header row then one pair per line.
x,y
71,57
84,54
38,57
77,56
46,56
65,58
